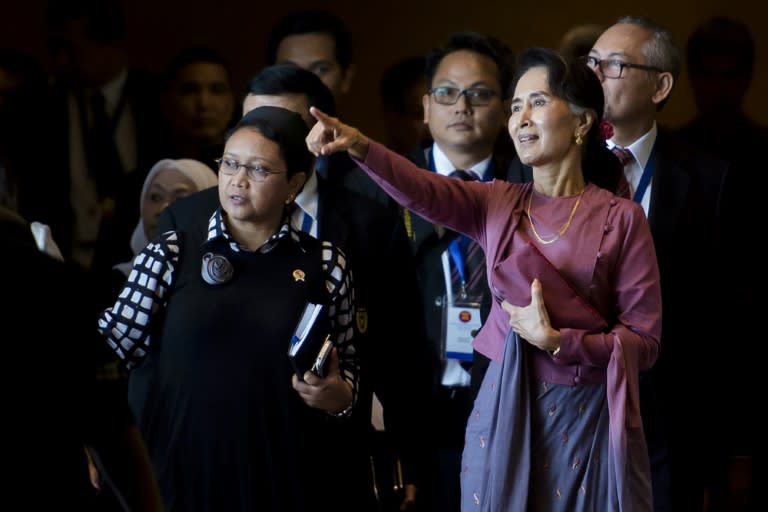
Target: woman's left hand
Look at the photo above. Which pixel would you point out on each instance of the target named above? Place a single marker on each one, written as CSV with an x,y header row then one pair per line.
x,y
331,393
531,322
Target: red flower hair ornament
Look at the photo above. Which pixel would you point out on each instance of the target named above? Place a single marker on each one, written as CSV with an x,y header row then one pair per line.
x,y
606,130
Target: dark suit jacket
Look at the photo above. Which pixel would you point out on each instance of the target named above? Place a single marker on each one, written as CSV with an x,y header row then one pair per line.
x,y
428,248
740,145
50,202
684,217
62,387
341,170
389,323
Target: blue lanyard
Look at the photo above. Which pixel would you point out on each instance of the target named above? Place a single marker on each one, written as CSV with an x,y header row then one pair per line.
x,y
458,259
459,244
645,178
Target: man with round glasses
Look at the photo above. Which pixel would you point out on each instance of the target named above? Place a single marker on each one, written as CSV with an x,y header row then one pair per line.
x,y
679,188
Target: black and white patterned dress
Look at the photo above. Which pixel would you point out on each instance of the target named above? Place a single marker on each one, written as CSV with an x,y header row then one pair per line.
x,y
211,384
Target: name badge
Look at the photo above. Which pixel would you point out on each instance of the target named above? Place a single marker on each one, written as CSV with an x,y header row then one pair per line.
x,y
462,321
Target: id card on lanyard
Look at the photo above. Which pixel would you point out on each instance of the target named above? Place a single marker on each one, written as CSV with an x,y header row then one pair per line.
x,y
461,312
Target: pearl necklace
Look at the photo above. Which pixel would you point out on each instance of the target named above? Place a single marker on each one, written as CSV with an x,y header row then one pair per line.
x,y
560,232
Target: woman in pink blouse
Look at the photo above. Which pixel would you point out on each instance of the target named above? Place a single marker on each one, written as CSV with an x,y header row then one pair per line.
x,y
577,310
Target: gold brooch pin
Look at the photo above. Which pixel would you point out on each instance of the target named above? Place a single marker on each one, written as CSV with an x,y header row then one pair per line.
x,y
298,275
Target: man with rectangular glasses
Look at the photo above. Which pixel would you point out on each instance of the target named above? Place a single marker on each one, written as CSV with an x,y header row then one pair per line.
x,y
679,188
464,109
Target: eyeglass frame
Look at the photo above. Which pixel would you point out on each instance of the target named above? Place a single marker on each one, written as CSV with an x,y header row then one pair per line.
x,y
463,92
255,172
598,64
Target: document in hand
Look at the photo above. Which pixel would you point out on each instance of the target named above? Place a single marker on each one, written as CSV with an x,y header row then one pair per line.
x,y
309,348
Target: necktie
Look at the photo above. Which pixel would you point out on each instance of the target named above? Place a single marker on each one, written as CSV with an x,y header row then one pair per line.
x,y
463,175
471,255
104,163
625,157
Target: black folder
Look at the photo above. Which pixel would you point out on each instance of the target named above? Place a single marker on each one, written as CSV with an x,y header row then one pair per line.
x,y
309,347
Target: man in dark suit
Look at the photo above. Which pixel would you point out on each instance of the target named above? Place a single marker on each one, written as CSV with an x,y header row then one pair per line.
x,y
56,405
679,188
468,80
104,122
392,349
721,59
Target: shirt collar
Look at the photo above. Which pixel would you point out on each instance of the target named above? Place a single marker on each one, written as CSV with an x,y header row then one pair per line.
x,y
642,147
308,197
217,229
113,91
444,166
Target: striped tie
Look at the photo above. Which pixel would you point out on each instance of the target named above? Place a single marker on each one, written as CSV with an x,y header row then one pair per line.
x,y
626,158
474,267
471,254
103,159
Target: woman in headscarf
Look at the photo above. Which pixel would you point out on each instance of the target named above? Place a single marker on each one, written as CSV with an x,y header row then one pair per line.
x,y
167,181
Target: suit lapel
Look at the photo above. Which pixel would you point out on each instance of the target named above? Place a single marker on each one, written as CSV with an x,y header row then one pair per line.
x,y
421,230
668,191
332,214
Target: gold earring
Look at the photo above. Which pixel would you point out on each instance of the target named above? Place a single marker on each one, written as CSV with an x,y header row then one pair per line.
x,y
289,200
579,140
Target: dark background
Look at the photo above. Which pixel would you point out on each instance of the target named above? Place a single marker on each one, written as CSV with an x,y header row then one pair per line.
x,y
384,32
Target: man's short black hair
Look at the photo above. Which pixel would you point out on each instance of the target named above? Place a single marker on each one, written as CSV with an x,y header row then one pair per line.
x,y
307,22
288,78
104,19
489,46
397,79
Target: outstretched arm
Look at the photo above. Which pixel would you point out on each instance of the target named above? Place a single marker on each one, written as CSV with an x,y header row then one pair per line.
x,y
456,204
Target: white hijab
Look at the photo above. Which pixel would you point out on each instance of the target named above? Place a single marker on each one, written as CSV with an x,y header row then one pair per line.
x,y
200,174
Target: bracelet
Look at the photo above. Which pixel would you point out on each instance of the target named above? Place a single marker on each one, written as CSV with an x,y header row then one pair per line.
x,y
346,412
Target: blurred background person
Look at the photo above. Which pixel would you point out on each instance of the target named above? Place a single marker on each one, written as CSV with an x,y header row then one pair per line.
x,y
62,406
720,58
401,88
578,40
104,125
317,41
293,87
166,182
198,104
23,89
